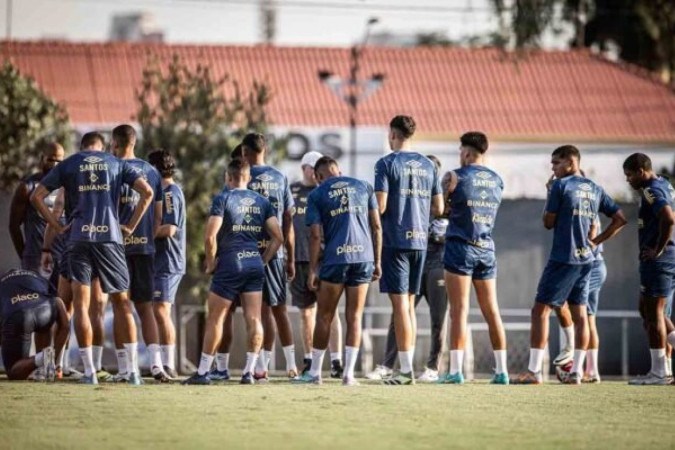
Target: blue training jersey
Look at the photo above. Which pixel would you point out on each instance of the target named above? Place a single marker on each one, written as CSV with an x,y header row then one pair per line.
x,y
142,241
657,194
170,251
93,185
341,206
244,214
20,290
576,201
410,180
273,185
474,205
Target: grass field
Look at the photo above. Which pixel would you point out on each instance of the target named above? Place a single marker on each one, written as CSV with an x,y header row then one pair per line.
x,y
279,416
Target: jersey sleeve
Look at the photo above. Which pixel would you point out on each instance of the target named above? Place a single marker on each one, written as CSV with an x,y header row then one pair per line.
x,y
554,199
289,203
372,201
313,216
157,186
54,179
381,180
436,186
268,210
218,206
607,204
172,208
129,173
655,198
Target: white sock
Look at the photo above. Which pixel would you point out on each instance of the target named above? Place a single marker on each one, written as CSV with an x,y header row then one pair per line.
x,y
87,360
578,364
592,362
39,359
155,358
59,363
658,361
289,354
568,338
405,359
336,356
500,361
66,359
223,361
351,355
317,362
536,359
97,354
308,355
122,359
456,361
169,355
251,359
671,338
669,367
263,361
205,363
132,357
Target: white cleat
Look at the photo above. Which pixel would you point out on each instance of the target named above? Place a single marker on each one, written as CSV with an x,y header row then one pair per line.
x,y
350,382
380,373
428,376
651,379
565,356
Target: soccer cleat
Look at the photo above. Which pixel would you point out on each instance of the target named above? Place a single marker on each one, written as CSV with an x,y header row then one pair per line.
x,y
306,378
103,375
196,379
37,375
528,377
571,378
135,379
308,365
68,373
161,377
171,372
336,369
651,379
350,381
566,355
247,378
120,378
562,371
428,376
50,367
261,377
292,374
219,375
591,379
91,379
400,379
451,378
500,378
380,373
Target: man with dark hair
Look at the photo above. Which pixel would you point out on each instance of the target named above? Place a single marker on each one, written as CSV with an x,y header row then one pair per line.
x,y
572,206
408,192
273,185
139,247
344,211
236,224
92,182
92,139
169,256
657,260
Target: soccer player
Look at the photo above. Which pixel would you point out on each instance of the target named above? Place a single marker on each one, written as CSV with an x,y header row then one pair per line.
x,y
408,192
27,307
92,182
572,206
302,296
273,185
657,259
139,246
345,212
237,221
169,256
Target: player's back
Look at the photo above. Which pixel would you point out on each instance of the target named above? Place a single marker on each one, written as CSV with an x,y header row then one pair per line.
x,y
474,205
655,195
21,289
411,180
170,251
273,185
300,194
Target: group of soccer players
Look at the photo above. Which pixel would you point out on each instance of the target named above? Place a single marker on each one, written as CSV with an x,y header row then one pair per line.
x,y
119,223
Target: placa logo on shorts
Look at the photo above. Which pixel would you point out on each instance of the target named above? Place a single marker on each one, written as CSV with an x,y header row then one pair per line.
x,y
264,177
585,187
247,254
484,175
346,248
339,185
93,159
414,234
24,297
414,164
247,201
135,240
95,228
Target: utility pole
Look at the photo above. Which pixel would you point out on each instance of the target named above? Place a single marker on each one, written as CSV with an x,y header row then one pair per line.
x,y
8,22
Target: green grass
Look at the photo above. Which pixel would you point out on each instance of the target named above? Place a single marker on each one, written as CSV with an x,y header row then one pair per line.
x,y
279,416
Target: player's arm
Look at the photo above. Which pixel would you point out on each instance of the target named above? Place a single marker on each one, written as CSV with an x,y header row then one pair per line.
x,y
376,234
17,216
38,201
314,255
666,225
448,184
158,218
618,222
145,191
553,202
437,205
166,230
381,186
170,221
210,242
289,243
276,238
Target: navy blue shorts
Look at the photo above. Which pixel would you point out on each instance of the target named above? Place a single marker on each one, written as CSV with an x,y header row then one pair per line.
x,y
142,274
402,270
17,330
595,282
564,282
274,285
88,260
462,258
302,297
657,278
354,274
166,287
228,283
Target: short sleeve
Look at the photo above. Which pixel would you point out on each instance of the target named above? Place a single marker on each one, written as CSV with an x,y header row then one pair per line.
x,y
436,186
218,206
288,197
268,210
172,208
54,179
554,200
158,186
129,173
607,205
655,198
313,216
381,180
372,201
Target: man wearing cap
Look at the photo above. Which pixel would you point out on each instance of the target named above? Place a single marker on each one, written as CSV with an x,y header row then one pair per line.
x,y
302,297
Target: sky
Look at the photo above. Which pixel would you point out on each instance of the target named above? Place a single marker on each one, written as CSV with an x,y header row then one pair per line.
x,y
300,22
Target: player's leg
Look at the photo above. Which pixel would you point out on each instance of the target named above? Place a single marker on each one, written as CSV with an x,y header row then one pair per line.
x,y
97,307
221,372
581,338
567,342
598,277
486,294
335,347
269,336
355,303
307,322
251,304
437,299
163,299
386,369
276,278
305,301
668,310
459,289
83,331
16,342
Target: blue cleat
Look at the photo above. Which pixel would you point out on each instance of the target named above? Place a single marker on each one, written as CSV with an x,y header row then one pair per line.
x,y
306,378
500,378
135,379
451,378
198,379
246,378
219,375
91,379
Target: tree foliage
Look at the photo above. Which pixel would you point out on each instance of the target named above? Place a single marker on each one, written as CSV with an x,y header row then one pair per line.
x,y
28,119
199,118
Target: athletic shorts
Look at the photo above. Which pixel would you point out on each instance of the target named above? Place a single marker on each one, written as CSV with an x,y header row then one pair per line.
x,y
301,296
88,260
165,287
402,270
462,258
274,284
228,283
17,330
657,278
595,282
351,275
564,282
142,275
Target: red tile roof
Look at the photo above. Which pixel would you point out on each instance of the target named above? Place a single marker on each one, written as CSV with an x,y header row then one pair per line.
x,y
548,95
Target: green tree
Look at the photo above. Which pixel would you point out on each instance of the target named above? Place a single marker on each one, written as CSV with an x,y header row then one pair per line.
x,y
28,118
199,118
